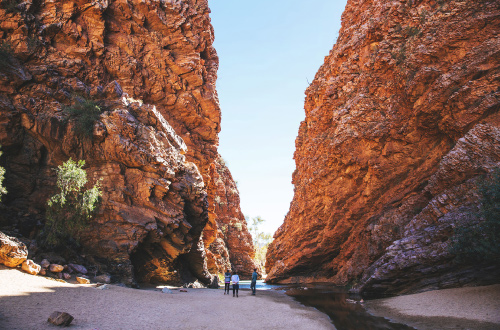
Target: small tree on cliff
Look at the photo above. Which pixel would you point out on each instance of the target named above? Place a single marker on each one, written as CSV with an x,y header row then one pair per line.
x,y
70,210
3,191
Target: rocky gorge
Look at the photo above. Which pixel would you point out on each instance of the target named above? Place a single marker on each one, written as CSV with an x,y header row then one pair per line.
x,y
169,211
401,128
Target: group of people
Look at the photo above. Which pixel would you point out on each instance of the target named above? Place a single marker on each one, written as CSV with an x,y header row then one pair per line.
x,y
235,279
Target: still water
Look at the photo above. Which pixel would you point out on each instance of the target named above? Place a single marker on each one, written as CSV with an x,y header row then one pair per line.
x,y
344,309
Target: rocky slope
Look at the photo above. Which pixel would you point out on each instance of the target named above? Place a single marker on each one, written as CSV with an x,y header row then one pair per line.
x,y
150,68
401,123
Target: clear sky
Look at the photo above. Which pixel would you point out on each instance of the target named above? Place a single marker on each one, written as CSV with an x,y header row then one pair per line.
x,y
268,51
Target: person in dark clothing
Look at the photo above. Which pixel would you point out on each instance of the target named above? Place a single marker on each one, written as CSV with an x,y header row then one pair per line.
x,y
253,284
236,283
227,281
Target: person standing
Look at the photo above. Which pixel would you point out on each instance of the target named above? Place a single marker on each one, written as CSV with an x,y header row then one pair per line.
x,y
227,281
236,283
253,284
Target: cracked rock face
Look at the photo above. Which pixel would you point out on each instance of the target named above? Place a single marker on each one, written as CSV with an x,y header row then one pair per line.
x,y
401,124
151,68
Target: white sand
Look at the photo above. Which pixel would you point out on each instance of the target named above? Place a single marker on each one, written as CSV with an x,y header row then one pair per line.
x,y
26,302
461,308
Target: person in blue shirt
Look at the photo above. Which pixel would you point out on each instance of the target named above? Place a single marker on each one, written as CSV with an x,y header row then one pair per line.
x,y
253,284
227,281
236,283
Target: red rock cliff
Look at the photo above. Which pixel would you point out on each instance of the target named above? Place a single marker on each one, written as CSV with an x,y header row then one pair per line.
x,y
226,236
151,68
401,122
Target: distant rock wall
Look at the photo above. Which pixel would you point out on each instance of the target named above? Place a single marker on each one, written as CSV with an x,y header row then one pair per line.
x,y
151,68
402,121
226,236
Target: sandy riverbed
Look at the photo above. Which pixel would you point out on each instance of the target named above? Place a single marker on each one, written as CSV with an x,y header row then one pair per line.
x,y
476,308
26,302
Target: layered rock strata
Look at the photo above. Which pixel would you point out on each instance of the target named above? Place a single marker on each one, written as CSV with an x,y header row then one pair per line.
x,y
401,125
226,236
150,69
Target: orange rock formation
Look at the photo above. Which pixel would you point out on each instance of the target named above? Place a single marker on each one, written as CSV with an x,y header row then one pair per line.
x,y
151,68
401,122
226,236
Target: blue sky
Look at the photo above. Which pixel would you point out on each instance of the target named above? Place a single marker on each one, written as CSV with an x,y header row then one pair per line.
x,y
268,51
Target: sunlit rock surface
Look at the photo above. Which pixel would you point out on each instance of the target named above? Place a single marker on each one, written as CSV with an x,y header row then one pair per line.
x,y
229,244
401,123
151,67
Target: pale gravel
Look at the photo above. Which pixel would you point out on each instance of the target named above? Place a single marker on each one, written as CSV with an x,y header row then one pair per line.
x,y
26,301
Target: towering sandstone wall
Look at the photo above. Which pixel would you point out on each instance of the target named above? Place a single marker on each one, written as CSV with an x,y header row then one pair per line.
x,y
151,68
401,123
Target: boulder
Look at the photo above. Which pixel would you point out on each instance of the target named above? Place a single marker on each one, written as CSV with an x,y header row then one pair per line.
x,y
103,279
60,318
195,285
102,286
45,264
12,251
55,268
66,276
31,267
82,280
77,269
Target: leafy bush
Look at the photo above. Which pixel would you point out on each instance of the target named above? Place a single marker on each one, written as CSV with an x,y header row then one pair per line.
x,y
70,210
481,242
86,112
3,191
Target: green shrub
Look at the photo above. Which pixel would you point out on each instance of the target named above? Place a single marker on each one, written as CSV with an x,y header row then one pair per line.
x,y
481,242
86,112
70,210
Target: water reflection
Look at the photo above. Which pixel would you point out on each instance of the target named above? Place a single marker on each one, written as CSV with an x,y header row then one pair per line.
x,y
261,285
344,309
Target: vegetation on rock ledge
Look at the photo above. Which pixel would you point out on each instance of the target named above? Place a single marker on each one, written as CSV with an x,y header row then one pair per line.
x,y
70,210
86,112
